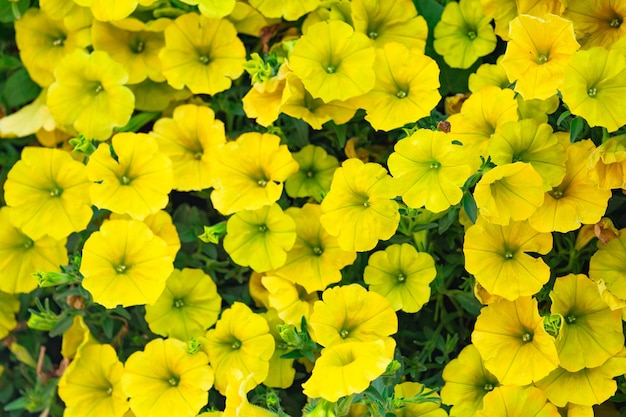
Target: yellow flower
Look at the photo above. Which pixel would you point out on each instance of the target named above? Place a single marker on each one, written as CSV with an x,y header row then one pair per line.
x,y
187,307
333,61
44,42
517,401
165,380
289,9
282,372
359,209
463,34
590,332
125,263
513,343
237,404
316,260
402,275
467,381
531,142
89,94
134,44
248,20
351,313
260,238
489,75
201,53
137,182
73,15
291,301
264,99
576,200
161,225
190,138
213,9
249,172
429,170
91,385
594,86
608,265
607,163
498,256
598,22
240,340
538,53
152,96
509,192
76,337
9,305
104,11
47,192
408,390
406,87
315,173
32,118
346,369
390,21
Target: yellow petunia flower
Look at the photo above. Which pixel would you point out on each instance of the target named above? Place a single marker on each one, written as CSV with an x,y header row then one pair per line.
x,y
517,401
538,53
390,21
429,170
503,11
333,61
165,380
89,94
509,192
91,385
76,337
498,256
9,305
237,404
201,53
281,373
590,332
608,265
463,34
607,163
406,87
249,173
291,301
260,238
538,109
430,408
316,260
351,313
315,173
597,23
152,96
402,275
489,75
346,369
47,192
240,340
33,118
264,99
288,9
594,86
188,305
467,381
359,209
73,15
136,182
190,138
513,343
214,9
107,10
161,225
125,263
248,20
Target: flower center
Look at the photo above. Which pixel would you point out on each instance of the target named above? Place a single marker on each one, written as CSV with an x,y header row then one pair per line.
x,y
179,303
125,180
488,387
262,182
615,23
508,255
401,94
570,319
109,390
344,333
139,46
59,41
262,228
197,156
527,337
471,34
542,59
236,344
401,277
98,88
592,92
56,191
317,250
372,34
120,269
28,243
204,59
173,381
556,194
331,69
310,174
435,165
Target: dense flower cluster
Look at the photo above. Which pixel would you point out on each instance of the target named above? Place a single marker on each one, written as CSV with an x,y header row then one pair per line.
x,y
320,208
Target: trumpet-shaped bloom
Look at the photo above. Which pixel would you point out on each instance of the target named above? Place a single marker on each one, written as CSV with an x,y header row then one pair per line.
x,y
291,301
91,385
166,380
359,209
591,332
315,173
32,118
513,343
390,21
237,404
190,138
21,256
260,238
47,192
351,313
240,340
289,9
107,10
531,142
89,94
498,256
429,170
467,381
538,53
517,401
316,260
597,23
125,263
9,305
607,163
509,192
402,275
187,307
576,200
489,75
333,61
137,182
405,90
161,225
594,86
463,34
201,53
608,265
249,172
346,369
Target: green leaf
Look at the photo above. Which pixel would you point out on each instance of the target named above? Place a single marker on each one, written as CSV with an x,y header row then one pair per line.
x,y
469,205
20,89
19,404
63,324
138,121
107,327
8,62
10,11
576,128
